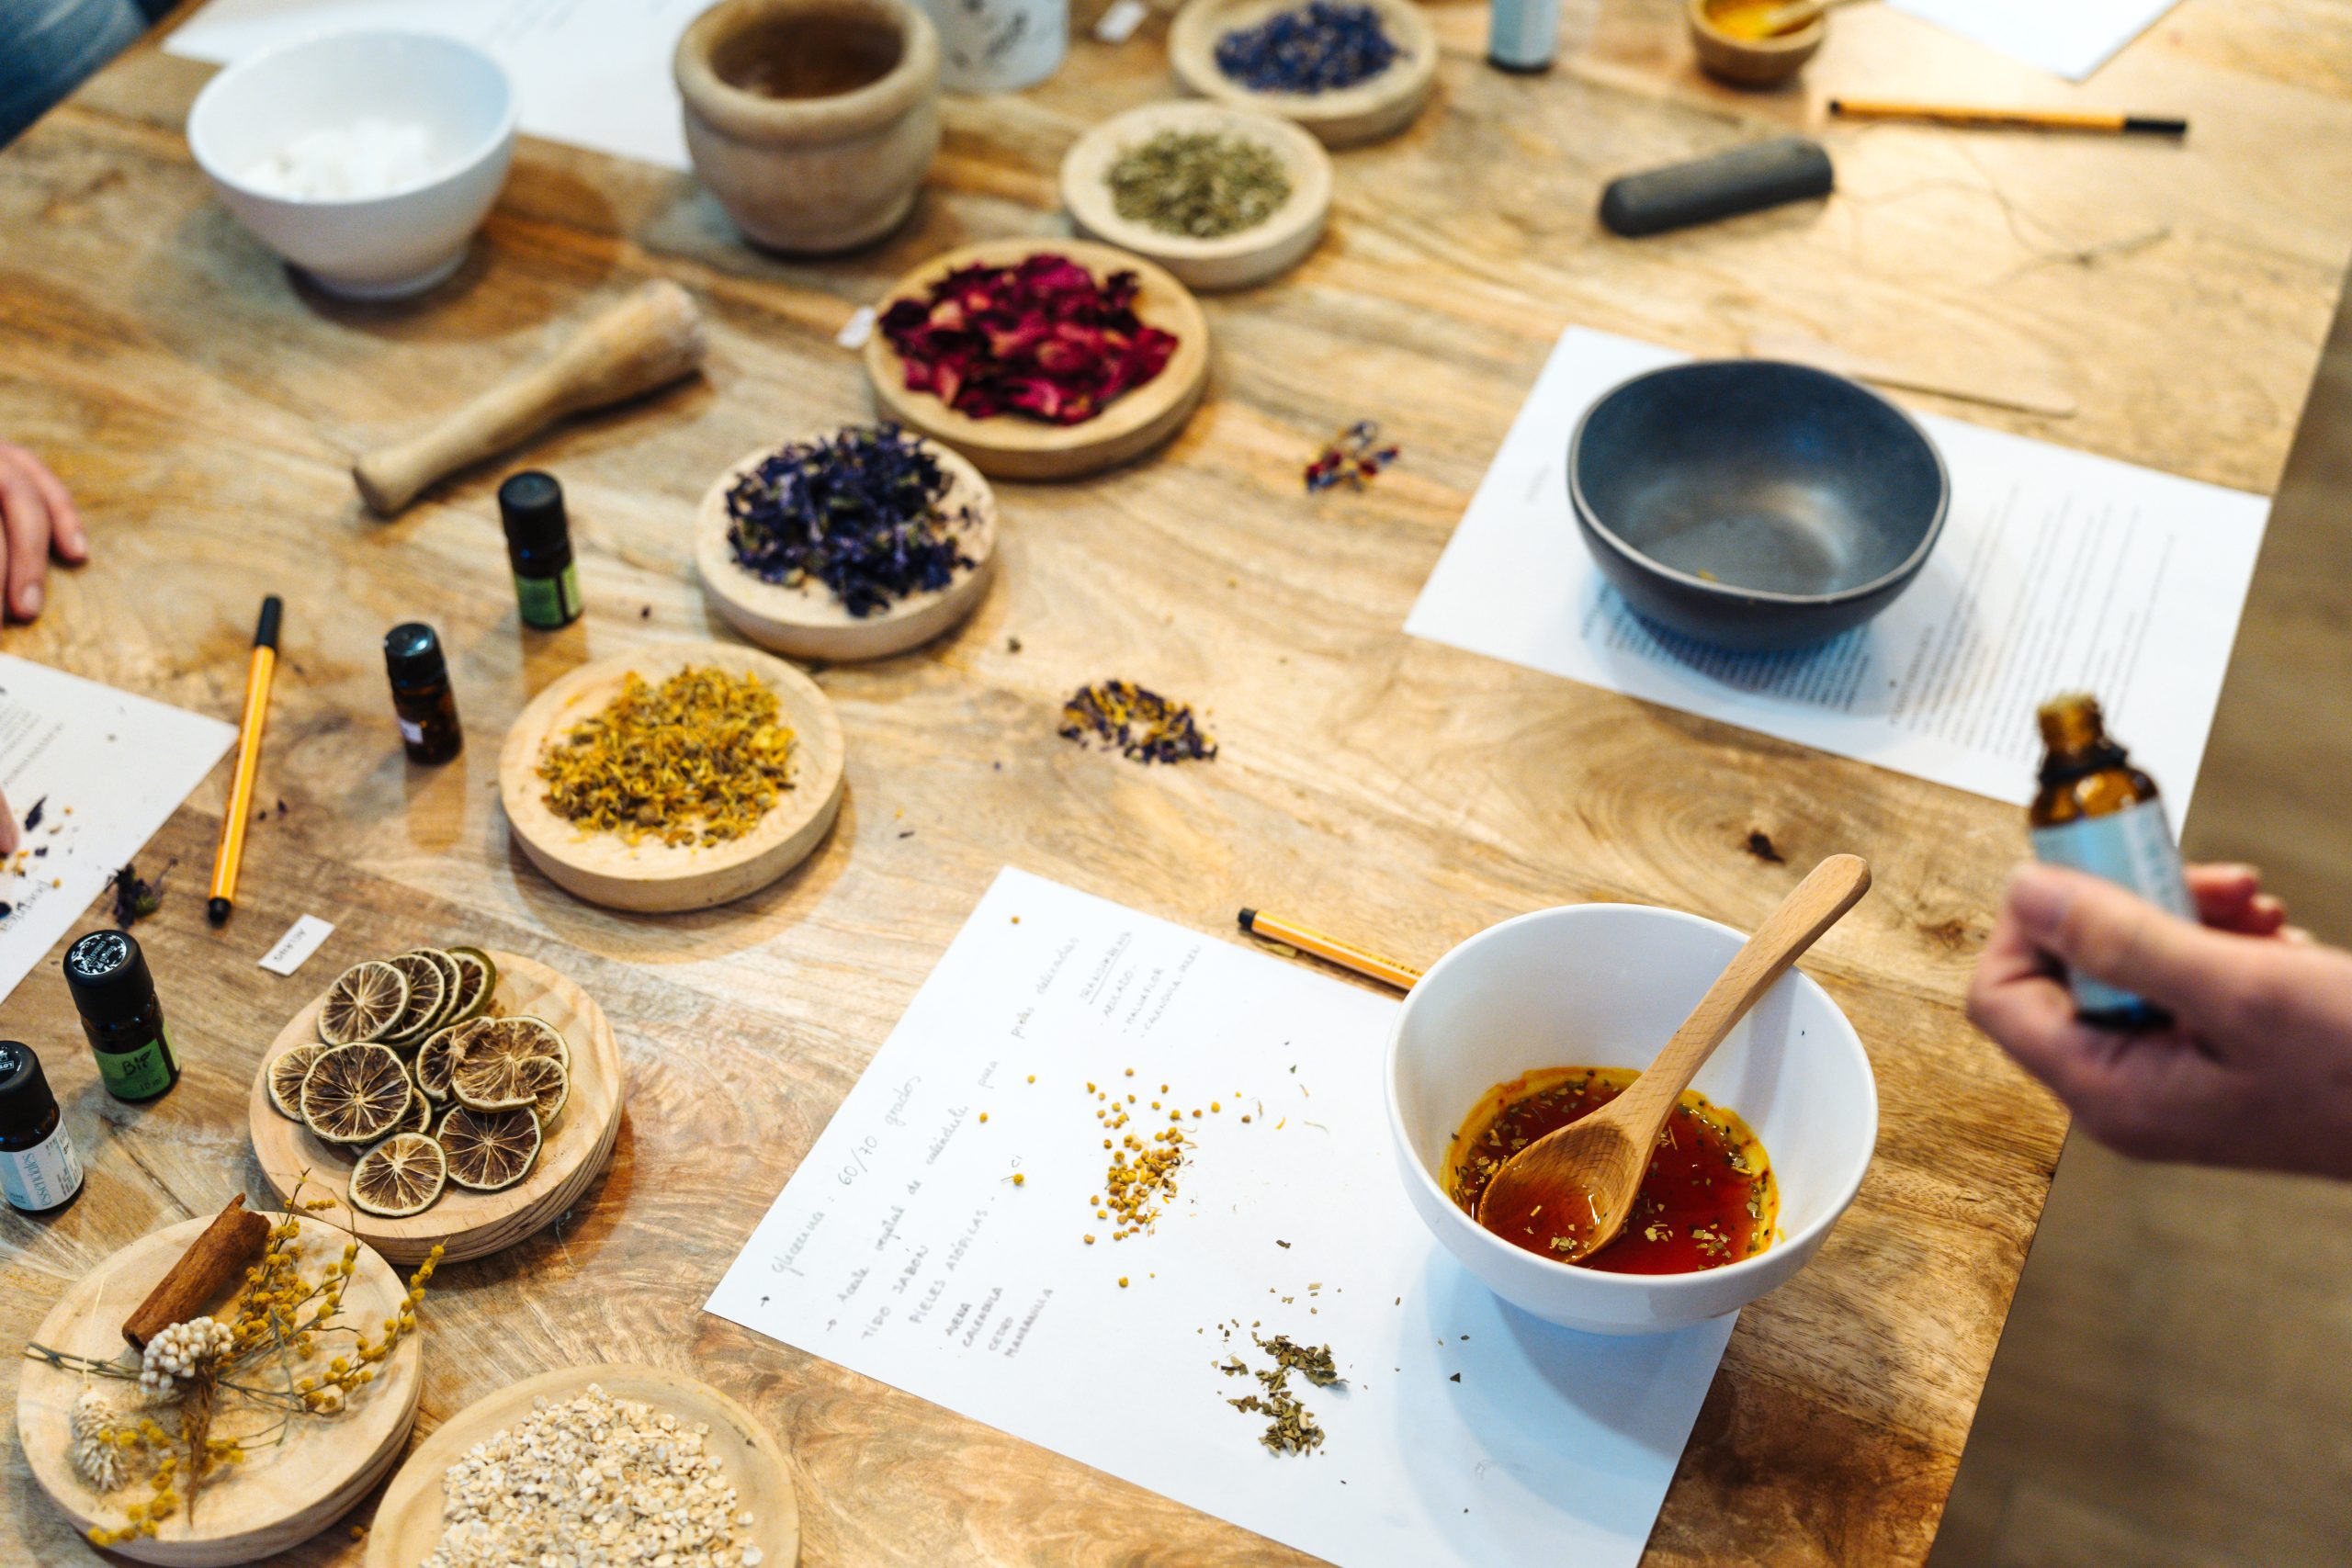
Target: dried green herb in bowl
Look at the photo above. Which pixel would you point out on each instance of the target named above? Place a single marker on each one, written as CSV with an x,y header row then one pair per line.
x,y
865,510
1204,184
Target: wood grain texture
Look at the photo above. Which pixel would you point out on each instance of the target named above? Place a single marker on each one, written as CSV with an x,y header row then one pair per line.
x,y
465,1224
205,409
283,1493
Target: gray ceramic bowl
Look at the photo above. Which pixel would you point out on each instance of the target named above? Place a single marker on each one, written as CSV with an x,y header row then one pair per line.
x,y
1753,505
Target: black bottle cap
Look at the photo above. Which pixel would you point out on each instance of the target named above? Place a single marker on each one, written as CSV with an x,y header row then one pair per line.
x,y
413,656
108,974
531,505
25,1097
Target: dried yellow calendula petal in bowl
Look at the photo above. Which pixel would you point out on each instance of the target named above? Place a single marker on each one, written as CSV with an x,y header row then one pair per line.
x,y
699,758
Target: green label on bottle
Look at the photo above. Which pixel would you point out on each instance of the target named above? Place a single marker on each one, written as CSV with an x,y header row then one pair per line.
x,y
142,1074
549,602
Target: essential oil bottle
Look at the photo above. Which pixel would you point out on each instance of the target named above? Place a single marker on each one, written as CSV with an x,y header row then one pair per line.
x,y
38,1168
538,547
116,996
2096,813
422,700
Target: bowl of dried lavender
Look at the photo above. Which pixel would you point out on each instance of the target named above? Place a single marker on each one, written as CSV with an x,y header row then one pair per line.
x,y
856,542
1350,71
1222,197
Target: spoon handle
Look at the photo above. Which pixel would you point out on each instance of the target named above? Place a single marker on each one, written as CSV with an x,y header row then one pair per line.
x,y
1833,888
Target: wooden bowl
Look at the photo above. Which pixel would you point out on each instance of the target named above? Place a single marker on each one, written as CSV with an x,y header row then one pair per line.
x,y
408,1522
465,1223
1751,62
1372,110
1230,261
808,622
283,1493
1009,447
652,877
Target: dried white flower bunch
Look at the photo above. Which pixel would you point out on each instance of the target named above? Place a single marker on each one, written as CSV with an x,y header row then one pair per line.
x,y
174,1356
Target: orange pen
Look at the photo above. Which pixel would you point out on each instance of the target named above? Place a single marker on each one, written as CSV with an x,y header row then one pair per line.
x,y
1330,949
241,787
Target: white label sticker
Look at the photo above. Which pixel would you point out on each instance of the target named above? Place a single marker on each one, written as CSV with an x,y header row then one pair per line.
x,y
1119,23
857,329
301,939
41,1177
2133,849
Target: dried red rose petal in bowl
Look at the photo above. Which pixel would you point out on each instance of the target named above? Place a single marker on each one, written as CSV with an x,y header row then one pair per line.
x,y
1040,359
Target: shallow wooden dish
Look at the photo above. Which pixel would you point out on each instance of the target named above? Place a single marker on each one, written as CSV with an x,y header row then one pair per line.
x,y
465,1223
651,878
1368,111
1009,447
408,1522
808,622
1231,261
282,1494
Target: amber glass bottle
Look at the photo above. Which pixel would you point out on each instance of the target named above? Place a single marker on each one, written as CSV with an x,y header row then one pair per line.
x,y
2096,813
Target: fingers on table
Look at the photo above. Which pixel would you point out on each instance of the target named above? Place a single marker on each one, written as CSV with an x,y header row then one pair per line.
x,y
2230,897
25,516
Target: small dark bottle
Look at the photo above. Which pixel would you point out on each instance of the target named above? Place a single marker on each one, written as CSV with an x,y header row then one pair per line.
x,y
2096,813
422,700
38,1168
108,974
538,547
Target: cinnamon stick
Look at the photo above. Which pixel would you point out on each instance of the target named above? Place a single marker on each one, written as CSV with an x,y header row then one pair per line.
x,y
215,1260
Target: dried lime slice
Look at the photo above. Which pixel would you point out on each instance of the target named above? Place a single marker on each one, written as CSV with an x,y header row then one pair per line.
x,y
354,1094
489,1150
435,1058
450,980
418,1117
493,1070
287,1070
477,978
364,1003
428,988
399,1177
510,1083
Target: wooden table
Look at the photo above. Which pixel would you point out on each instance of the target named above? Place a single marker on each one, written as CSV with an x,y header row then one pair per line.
x,y
205,410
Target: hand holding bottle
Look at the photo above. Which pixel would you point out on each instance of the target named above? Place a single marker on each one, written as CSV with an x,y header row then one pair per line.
x,y
2253,1066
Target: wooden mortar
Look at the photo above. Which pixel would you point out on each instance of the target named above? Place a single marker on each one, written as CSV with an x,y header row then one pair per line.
x,y
812,121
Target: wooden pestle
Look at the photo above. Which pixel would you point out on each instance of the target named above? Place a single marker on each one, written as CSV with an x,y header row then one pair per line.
x,y
651,338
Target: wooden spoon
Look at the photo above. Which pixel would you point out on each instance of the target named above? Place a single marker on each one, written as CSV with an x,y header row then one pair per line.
x,y
1593,1166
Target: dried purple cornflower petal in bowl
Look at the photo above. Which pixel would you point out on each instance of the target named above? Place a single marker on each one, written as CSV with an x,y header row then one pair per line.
x,y
857,543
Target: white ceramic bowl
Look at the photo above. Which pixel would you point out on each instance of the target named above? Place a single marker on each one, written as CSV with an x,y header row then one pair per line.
x,y
1606,985
380,247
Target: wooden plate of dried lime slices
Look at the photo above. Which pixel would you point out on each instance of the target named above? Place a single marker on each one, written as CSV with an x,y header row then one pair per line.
x,y
538,1066
648,876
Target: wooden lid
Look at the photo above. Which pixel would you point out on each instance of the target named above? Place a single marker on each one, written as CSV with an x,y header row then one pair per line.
x,y
1014,446
1229,261
650,876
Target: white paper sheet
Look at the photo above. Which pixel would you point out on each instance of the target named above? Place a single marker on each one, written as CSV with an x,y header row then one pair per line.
x,y
901,1249
592,72
106,770
2057,570
2070,38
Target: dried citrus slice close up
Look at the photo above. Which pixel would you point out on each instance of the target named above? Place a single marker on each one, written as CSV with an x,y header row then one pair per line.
x,y
354,1094
489,1150
365,1002
399,1177
286,1071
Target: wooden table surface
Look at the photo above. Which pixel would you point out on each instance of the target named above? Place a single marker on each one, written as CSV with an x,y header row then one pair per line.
x,y
205,410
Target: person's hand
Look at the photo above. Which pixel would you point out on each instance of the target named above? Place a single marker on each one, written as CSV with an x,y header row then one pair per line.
x,y
2255,1068
37,516
10,834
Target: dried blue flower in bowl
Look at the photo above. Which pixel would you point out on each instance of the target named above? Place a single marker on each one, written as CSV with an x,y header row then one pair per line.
x,y
864,511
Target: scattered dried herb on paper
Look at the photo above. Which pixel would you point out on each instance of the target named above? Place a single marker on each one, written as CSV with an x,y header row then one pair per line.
x,y
135,897
1044,339
1119,715
32,818
1201,184
1317,48
862,511
1290,1426
699,758
1353,457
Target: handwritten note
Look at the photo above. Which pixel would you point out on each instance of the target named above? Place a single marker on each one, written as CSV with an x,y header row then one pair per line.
x,y
937,1238
106,769
2056,569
